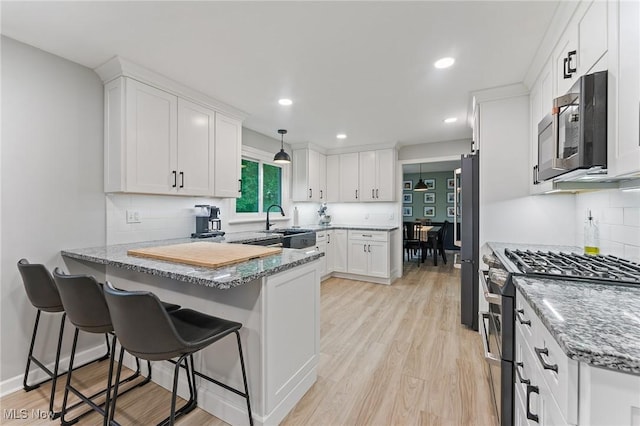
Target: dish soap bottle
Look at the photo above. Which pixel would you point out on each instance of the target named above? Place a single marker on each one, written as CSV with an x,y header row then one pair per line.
x,y
591,236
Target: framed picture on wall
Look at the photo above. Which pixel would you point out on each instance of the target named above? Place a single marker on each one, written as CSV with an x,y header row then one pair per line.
x,y
407,211
430,211
407,185
450,211
431,183
429,197
451,197
450,183
407,198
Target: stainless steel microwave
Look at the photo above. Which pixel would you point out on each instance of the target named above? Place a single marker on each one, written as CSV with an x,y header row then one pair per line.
x,y
574,135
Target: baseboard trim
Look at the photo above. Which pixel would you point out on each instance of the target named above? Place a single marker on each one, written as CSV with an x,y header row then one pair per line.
x,y
36,374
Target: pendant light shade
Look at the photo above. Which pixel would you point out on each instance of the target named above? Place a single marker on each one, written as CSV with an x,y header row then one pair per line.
x,y
420,186
282,157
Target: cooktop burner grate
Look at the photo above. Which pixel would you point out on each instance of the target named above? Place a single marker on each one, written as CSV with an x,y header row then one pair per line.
x,y
576,266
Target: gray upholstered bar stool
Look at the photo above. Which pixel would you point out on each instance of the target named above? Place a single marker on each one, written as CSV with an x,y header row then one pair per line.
x,y
147,331
43,295
84,303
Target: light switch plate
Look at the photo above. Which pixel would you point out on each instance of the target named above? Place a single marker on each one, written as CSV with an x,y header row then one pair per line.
x,y
133,216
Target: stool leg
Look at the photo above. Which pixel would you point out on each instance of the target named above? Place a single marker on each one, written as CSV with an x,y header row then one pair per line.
x,y
174,394
55,415
30,356
244,378
107,401
112,409
68,385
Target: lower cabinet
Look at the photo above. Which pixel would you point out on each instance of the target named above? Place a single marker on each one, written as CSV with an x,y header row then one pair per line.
x,y
369,253
336,253
321,246
551,389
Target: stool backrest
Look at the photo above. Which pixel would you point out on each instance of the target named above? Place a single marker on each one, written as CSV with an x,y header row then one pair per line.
x,y
83,302
142,324
38,283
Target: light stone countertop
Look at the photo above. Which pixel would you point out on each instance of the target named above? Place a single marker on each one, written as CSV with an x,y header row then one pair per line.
x,y
220,278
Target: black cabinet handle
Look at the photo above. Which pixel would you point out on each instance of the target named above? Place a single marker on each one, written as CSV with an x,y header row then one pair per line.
x,y
519,316
175,178
181,179
356,194
565,72
321,194
531,389
310,193
240,185
364,248
545,365
369,248
377,196
373,193
519,365
570,56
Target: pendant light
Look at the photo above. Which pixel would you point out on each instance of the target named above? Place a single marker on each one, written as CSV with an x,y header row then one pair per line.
x,y
420,186
282,157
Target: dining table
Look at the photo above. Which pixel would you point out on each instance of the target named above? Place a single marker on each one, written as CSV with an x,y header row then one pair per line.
x,y
429,233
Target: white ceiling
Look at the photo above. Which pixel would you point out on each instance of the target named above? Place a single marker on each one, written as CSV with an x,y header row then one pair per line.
x,y
362,68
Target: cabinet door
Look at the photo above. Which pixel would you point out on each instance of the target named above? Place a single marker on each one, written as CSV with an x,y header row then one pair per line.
x,y
564,60
322,178
321,246
333,178
378,259
151,139
358,257
367,175
228,155
329,254
385,175
313,176
349,189
624,150
195,149
339,248
592,36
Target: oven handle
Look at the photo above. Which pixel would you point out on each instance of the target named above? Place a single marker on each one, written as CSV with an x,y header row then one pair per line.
x,y
531,389
488,356
492,298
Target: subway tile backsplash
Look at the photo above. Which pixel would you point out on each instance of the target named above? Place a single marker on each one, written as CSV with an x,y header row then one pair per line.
x,y
618,216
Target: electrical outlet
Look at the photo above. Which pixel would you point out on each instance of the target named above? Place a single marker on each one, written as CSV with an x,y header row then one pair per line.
x,y
133,216
366,216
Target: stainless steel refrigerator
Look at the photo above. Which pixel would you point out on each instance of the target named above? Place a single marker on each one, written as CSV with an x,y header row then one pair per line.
x,y
469,239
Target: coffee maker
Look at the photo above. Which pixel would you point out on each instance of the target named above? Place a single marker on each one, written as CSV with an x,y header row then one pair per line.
x,y
208,223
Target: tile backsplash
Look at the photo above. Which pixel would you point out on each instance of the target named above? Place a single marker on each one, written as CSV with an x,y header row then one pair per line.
x,y
618,217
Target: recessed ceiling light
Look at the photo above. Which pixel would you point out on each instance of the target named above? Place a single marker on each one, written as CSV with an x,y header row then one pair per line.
x,y
450,120
444,62
285,102
341,136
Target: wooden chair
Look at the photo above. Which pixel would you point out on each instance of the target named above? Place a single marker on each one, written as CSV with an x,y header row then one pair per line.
x,y
440,241
411,238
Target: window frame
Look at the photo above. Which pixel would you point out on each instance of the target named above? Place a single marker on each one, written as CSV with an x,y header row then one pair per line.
x,y
263,157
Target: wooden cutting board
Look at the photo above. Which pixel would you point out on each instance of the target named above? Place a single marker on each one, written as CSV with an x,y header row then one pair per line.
x,y
211,255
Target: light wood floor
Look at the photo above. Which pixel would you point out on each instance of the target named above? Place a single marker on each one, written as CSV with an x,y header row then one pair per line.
x,y
390,355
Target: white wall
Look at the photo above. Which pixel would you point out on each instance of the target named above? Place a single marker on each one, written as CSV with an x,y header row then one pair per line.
x,y
618,216
435,150
52,184
350,213
507,212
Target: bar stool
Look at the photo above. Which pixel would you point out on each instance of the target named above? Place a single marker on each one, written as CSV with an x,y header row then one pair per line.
x,y
147,331
44,296
84,303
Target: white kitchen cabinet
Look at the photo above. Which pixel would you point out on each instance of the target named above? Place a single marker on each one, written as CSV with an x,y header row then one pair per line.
x,y
309,175
349,173
228,157
624,99
369,253
321,246
582,45
337,250
159,143
377,175
333,178
195,148
141,138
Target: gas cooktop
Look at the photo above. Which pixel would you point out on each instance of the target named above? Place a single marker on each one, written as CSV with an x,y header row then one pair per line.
x,y
575,266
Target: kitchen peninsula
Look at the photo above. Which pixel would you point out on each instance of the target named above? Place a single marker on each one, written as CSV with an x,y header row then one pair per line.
x,y
276,298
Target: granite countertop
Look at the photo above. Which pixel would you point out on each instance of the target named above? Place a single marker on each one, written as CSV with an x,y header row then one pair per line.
x,y
598,324
220,278
386,228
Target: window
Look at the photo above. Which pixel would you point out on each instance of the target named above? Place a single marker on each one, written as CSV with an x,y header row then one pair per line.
x,y
261,186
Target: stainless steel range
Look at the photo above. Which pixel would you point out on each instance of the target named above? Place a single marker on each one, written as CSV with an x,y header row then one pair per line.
x,y
497,325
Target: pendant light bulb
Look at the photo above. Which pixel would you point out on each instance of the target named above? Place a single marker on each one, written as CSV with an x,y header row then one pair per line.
x,y
420,186
282,157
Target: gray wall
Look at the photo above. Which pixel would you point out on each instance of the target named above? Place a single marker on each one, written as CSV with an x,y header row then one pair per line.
x,y
265,143
52,184
440,192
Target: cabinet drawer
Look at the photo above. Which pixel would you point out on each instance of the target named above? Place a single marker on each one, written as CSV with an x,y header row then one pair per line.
x,y
369,235
321,236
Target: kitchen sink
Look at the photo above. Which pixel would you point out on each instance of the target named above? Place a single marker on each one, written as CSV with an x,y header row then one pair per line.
x,y
296,238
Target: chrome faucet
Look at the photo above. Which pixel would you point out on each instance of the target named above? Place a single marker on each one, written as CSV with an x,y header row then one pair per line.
x,y
268,209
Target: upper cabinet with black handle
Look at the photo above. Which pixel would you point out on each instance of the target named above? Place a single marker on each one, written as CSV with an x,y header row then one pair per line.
x,y
309,175
158,142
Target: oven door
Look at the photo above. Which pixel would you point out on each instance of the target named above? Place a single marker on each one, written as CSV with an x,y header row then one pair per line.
x,y
490,328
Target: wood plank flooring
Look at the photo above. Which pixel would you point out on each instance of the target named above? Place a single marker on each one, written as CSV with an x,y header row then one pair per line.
x,y
390,355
